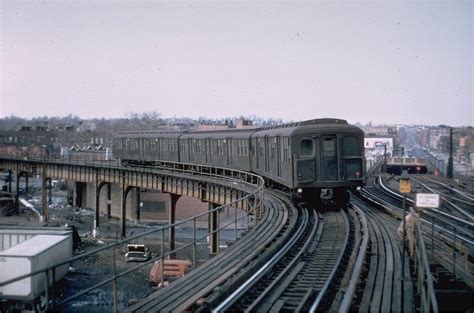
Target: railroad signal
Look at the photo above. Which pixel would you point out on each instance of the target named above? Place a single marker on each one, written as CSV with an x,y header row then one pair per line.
x,y
405,183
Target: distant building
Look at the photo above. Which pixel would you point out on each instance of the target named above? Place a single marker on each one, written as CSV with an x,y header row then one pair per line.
x,y
39,140
243,123
240,123
381,131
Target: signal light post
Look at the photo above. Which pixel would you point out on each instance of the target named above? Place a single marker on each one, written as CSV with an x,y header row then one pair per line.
x,y
404,188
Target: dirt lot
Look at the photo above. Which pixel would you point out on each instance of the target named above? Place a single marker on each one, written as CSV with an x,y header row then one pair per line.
x,y
94,269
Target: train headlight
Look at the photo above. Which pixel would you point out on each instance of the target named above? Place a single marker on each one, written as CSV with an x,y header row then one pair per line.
x,y
299,191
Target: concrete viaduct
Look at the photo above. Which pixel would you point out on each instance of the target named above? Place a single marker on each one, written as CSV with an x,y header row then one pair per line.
x,y
105,186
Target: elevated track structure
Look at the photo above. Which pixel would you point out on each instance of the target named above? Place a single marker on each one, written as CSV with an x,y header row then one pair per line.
x,y
241,190
295,258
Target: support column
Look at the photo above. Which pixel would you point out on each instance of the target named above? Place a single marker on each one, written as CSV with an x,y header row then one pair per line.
x,y
213,228
10,176
137,212
109,200
50,188
123,216
172,220
95,230
125,191
77,195
26,183
17,193
44,199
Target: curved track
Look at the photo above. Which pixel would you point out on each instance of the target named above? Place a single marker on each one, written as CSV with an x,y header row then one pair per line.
x,y
457,202
384,288
303,276
240,260
449,247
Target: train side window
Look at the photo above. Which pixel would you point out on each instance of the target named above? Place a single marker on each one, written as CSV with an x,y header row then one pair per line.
x,y
349,146
306,147
260,147
328,147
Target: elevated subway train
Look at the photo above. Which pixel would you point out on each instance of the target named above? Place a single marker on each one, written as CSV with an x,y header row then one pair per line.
x,y
315,159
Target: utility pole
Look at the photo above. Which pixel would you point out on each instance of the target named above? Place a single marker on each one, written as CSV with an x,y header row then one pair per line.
x,y
449,170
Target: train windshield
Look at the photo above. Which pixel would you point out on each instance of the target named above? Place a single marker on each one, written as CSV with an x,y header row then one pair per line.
x,y
352,159
350,146
306,147
329,147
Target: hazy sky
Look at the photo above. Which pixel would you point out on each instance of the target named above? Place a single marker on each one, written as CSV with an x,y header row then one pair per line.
x,y
380,61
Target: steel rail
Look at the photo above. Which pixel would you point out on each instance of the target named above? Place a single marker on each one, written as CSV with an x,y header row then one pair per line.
x,y
420,181
191,289
465,239
287,269
449,233
359,264
453,189
462,211
332,275
226,304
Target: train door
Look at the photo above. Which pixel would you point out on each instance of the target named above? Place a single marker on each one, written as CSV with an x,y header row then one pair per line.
x,y
207,150
228,150
191,150
266,153
146,149
257,152
155,148
328,163
139,153
158,149
278,155
139,149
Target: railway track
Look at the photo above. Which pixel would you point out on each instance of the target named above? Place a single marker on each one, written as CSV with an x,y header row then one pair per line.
x,y
447,224
304,275
387,285
449,245
230,267
295,260
457,202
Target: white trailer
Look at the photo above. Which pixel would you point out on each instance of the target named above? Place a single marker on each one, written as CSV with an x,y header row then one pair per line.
x,y
11,236
36,253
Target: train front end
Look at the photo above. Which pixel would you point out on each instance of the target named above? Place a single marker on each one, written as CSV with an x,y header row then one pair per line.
x,y
329,160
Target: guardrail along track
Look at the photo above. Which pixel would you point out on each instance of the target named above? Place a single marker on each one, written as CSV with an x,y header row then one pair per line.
x,y
383,288
448,248
240,260
299,277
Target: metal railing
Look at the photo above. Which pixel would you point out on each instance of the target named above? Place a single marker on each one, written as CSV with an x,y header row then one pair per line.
x,y
252,186
422,268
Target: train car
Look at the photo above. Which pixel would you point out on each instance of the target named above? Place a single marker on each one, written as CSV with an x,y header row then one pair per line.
x,y
317,158
145,147
229,148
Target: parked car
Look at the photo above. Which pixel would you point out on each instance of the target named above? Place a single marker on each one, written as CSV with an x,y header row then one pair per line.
x,y
137,253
